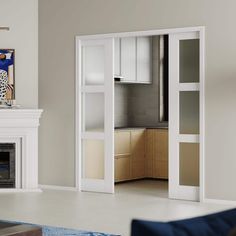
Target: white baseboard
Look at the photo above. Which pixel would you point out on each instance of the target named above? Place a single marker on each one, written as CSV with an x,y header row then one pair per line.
x,y
55,187
15,190
219,201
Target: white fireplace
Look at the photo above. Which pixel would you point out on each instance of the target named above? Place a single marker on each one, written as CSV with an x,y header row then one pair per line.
x,y
19,149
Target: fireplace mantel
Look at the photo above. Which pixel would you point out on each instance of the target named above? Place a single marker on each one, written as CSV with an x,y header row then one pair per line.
x,y
20,126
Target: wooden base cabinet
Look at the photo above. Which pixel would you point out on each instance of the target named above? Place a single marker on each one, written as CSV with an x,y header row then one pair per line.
x,y
141,153
138,154
149,153
122,168
129,154
122,155
157,153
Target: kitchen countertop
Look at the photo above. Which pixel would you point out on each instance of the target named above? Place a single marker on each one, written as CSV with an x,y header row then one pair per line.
x,y
147,127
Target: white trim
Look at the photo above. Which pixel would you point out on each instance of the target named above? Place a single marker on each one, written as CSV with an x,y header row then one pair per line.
x,y
202,113
93,135
93,89
18,163
15,190
109,122
219,201
77,115
189,87
187,193
56,187
189,138
201,32
95,185
187,35
141,33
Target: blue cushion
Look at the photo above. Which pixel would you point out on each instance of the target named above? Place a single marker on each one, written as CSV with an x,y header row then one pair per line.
x,y
218,224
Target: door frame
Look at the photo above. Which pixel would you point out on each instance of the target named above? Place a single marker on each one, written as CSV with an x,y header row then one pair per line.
x,y
201,31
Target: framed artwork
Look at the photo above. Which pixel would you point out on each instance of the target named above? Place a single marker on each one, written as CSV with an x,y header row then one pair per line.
x,y
7,74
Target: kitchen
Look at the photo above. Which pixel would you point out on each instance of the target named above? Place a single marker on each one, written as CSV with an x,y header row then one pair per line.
x,y
141,109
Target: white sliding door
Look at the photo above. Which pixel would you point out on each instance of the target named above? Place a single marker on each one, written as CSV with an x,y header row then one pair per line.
x,y
95,124
186,115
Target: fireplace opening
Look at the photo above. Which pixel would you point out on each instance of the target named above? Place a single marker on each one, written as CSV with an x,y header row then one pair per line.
x,y
7,165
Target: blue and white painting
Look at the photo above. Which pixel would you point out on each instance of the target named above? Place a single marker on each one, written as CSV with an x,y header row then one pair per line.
x,y
7,83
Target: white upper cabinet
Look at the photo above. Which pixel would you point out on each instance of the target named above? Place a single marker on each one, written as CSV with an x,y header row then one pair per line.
x,y
128,59
144,59
133,59
117,71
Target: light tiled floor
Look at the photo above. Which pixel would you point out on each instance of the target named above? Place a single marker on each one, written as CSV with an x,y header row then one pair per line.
x,y
101,212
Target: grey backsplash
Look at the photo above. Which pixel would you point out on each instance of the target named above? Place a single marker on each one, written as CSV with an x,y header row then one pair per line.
x,y
138,104
121,105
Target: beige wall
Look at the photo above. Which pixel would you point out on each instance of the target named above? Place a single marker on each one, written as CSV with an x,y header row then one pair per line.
x,y
22,18
61,20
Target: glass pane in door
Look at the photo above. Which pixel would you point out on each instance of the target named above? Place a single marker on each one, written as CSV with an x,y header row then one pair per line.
x,y
189,61
93,159
93,65
189,112
189,164
94,112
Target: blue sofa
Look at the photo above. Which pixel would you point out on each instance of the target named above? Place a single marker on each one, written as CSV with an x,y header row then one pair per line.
x,y
218,224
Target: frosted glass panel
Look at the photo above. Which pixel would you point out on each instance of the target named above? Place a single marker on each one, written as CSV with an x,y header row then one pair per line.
x,y
189,61
93,65
189,112
94,112
189,164
93,159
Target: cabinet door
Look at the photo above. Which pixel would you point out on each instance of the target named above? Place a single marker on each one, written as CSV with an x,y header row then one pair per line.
x,y
161,170
122,168
144,59
161,144
122,155
122,143
117,58
149,153
128,59
160,154
138,153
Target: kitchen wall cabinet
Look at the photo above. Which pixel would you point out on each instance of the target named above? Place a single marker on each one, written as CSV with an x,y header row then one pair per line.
x,y
144,60
128,59
117,48
141,153
133,59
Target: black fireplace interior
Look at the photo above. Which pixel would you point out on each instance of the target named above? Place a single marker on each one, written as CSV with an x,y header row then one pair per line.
x,y
7,165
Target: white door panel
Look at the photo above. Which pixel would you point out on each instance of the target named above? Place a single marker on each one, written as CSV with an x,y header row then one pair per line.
x,y
96,111
184,116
